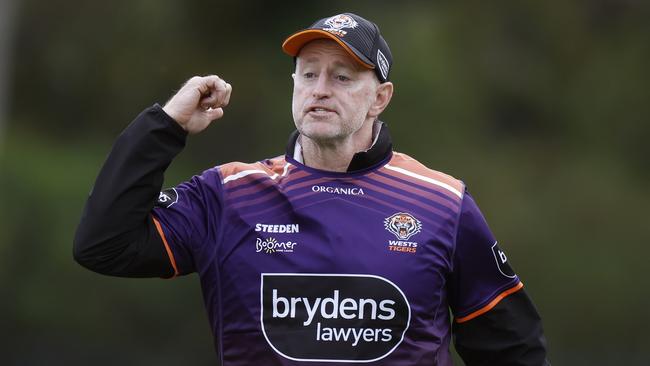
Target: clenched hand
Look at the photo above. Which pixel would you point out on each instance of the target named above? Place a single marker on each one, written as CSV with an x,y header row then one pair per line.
x,y
199,102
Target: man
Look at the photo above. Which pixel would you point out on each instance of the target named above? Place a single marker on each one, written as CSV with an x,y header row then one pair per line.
x,y
340,251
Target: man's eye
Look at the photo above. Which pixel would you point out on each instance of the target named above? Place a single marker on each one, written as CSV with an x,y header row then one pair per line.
x,y
309,75
342,78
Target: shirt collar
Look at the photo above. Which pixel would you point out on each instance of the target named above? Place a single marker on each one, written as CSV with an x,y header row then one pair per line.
x,y
380,149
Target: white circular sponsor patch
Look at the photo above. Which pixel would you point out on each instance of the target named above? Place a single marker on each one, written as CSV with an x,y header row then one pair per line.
x,y
332,317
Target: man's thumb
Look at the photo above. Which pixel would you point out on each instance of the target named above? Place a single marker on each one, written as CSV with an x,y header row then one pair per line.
x,y
215,113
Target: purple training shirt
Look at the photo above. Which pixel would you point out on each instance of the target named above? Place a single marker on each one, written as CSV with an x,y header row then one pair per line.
x,y
302,266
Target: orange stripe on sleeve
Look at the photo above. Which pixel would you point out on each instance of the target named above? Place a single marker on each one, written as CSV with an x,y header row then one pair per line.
x,y
167,248
492,303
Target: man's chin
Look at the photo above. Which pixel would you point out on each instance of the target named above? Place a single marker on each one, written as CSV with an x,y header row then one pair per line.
x,y
317,130
320,135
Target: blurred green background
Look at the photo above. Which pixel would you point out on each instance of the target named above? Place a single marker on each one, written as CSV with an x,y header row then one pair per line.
x,y
542,108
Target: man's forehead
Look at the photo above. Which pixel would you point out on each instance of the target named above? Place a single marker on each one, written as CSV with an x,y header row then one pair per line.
x,y
321,50
314,60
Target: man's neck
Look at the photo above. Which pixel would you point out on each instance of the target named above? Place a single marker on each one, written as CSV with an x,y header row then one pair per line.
x,y
335,155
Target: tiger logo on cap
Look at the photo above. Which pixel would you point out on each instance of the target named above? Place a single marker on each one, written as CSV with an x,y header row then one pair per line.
x,y
338,22
402,225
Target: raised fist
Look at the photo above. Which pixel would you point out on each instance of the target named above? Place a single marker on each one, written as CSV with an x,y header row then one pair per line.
x,y
199,102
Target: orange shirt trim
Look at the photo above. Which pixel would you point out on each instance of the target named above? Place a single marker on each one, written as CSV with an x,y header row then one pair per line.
x,y
492,303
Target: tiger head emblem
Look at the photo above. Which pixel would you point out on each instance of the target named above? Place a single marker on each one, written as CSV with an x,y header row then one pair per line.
x,y
402,225
338,22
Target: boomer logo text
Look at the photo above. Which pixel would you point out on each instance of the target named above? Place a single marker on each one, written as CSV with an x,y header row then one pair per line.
x,y
271,245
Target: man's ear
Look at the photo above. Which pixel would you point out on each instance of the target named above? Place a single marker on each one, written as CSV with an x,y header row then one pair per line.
x,y
293,76
382,98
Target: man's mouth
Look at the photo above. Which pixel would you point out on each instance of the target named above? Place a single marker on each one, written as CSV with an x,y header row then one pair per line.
x,y
319,111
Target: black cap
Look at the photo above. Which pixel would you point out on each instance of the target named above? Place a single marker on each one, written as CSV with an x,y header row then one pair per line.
x,y
359,37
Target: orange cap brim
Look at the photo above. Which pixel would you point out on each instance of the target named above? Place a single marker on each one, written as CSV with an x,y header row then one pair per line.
x,y
296,41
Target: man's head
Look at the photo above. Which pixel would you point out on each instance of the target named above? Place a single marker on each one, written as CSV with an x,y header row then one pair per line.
x,y
339,90
359,37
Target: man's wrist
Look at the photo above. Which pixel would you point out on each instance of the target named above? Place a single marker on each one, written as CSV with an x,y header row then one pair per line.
x,y
178,129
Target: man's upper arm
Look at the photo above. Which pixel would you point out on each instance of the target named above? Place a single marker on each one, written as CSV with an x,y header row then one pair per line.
x,y
495,323
188,219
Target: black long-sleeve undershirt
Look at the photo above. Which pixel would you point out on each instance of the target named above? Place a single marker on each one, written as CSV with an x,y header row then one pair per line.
x,y
510,334
116,235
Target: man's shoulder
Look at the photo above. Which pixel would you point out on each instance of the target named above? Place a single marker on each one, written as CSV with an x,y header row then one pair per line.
x,y
236,169
412,168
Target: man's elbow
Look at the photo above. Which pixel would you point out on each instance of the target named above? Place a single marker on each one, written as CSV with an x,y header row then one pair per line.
x,y
82,252
134,253
95,251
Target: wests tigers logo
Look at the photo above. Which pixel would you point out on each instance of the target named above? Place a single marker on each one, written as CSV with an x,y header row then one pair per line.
x,y
338,22
402,225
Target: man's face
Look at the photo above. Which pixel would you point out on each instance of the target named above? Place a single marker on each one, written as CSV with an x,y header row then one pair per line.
x,y
332,93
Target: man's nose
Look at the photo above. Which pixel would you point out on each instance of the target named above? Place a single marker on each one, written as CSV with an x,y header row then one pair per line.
x,y
322,88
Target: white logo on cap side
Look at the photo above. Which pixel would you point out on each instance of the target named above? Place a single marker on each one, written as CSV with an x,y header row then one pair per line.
x,y
382,62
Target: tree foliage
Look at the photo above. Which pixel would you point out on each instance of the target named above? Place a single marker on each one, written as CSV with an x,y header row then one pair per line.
x,y
540,107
